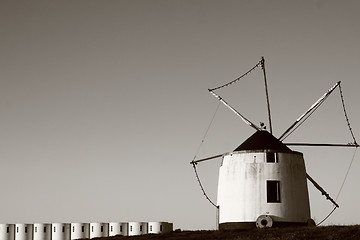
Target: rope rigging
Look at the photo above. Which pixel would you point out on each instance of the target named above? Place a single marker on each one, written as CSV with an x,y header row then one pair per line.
x,y
194,163
206,132
346,117
346,175
341,187
237,79
201,186
326,217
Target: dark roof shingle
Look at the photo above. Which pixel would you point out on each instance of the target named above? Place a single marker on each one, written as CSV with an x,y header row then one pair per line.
x,y
262,140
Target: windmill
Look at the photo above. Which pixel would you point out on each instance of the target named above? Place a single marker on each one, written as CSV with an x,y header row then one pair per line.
x,y
263,183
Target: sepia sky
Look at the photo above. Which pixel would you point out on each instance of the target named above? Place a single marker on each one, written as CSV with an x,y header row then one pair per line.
x,y
103,104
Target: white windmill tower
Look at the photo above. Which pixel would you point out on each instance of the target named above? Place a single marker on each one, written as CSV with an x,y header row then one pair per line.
x,y
263,183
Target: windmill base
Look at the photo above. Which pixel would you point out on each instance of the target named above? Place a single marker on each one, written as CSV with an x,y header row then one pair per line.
x,y
249,225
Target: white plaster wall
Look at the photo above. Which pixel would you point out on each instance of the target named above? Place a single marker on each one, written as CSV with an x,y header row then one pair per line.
x,y
61,231
7,231
242,195
137,228
118,228
80,230
159,227
42,231
99,230
23,231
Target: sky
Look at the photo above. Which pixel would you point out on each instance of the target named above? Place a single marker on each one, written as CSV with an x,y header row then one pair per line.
x,y
103,104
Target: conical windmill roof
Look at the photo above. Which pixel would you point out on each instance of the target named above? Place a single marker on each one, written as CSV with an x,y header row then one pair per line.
x,y
262,140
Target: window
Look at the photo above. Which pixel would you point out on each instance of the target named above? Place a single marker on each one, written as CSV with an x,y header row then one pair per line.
x,y
73,228
130,228
150,227
273,191
102,228
92,228
26,229
271,158
63,229
17,229
83,229
44,229
120,228
7,229
140,228
54,229
161,228
111,228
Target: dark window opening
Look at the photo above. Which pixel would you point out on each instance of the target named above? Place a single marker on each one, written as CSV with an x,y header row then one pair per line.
x,y
130,228
160,228
54,229
271,158
63,229
83,229
26,229
73,229
102,228
44,229
7,230
92,228
273,191
140,228
120,228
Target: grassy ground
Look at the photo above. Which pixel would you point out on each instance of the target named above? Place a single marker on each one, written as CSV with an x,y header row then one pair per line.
x,y
299,233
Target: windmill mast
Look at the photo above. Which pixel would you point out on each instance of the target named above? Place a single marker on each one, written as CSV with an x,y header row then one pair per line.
x,y
297,123
247,121
266,92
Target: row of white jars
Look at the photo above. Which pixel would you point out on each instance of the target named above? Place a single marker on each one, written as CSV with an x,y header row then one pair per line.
x,y
67,231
